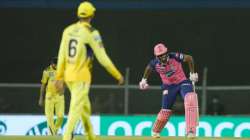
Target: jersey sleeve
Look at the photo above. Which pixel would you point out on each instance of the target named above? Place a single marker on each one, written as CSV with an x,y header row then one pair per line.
x,y
152,64
96,44
177,56
45,77
61,60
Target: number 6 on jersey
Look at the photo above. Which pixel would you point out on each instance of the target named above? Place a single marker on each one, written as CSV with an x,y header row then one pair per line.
x,y
72,47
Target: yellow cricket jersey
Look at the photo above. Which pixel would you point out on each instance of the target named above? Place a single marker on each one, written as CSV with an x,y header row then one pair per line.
x,y
48,79
79,42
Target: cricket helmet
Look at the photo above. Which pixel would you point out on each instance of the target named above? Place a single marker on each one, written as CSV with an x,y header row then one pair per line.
x,y
85,9
160,49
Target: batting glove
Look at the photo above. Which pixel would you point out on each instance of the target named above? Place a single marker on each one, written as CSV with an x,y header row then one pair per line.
x,y
143,84
193,77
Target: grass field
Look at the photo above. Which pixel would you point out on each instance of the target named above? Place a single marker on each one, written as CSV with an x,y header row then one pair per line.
x,y
111,138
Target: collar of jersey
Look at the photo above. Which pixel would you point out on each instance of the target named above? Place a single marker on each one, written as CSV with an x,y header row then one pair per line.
x,y
85,24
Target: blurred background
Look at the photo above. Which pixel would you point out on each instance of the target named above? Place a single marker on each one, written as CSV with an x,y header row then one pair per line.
x,y
214,32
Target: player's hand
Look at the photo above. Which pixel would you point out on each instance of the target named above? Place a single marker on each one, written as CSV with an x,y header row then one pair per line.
x,y
121,81
143,85
59,85
193,77
41,102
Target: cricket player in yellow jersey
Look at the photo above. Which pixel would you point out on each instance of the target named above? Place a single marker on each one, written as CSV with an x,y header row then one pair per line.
x,y
79,40
54,98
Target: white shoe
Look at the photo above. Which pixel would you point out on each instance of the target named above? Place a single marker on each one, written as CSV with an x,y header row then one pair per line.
x,y
155,135
190,136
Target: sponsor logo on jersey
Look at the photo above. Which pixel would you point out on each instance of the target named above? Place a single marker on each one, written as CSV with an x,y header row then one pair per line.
x,y
169,73
51,74
97,38
181,56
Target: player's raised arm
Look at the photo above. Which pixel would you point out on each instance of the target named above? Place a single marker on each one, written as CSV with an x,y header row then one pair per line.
x,y
193,75
102,57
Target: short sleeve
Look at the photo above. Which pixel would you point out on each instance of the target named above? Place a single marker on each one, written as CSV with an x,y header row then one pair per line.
x,y
45,77
97,39
177,56
152,63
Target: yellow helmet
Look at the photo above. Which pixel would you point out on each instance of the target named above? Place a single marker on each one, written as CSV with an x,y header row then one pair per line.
x,y
85,9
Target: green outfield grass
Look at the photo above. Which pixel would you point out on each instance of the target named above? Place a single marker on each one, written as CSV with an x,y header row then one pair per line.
x,y
111,138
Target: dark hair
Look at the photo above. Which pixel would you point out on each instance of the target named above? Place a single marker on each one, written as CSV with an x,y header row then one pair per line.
x,y
53,60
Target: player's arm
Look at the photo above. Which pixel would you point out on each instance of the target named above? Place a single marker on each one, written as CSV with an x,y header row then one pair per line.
x,y
102,57
42,95
61,60
147,71
61,64
193,76
183,58
43,89
149,68
189,59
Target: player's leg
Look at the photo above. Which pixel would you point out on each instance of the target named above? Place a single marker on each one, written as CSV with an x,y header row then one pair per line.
x,y
191,113
59,107
191,108
86,120
49,112
168,99
161,120
79,92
